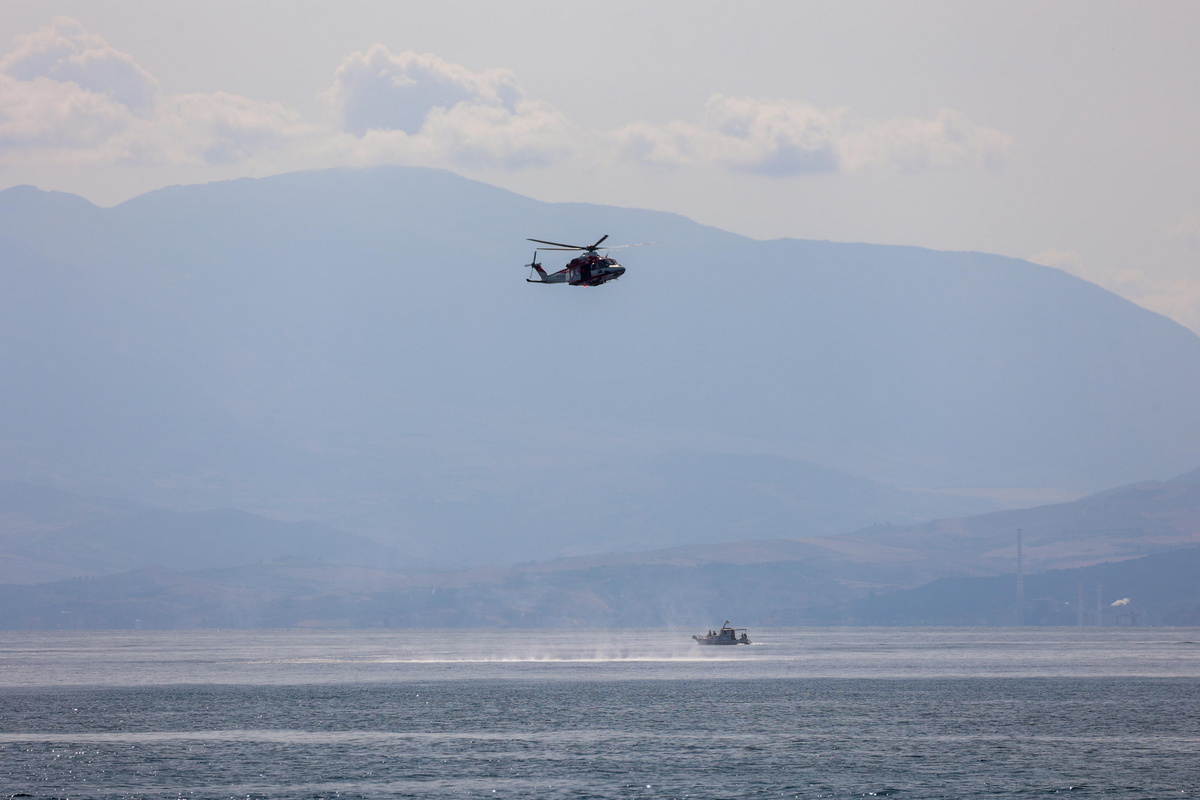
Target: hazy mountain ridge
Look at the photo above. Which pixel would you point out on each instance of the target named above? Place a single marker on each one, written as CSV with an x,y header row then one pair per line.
x,y
1115,525
29,507
1159,589
887,575
48,535
1112,525
297,594
357,347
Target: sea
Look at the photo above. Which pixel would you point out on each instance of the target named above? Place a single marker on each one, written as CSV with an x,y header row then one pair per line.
x,y
637,713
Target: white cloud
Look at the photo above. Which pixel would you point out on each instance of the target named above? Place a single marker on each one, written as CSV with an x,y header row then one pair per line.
x,y
486,136
61,122
1177,298
1173,295
66,95
768,137
1066,260
1187,230
745,135
783,138
377,90
67,53
51,114
419,107
221,128
908,143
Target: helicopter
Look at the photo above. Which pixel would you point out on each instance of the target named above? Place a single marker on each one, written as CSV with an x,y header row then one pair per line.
x,y
589,269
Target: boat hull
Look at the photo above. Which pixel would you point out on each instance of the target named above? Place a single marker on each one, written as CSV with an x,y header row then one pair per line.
x,y
726,635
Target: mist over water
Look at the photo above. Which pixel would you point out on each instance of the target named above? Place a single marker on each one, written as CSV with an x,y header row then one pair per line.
x,y
289,657
629,713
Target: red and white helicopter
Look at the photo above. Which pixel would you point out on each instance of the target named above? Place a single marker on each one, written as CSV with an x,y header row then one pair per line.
x,y
589,269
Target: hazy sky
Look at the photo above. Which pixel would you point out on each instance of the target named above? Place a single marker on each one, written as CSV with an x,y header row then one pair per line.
x,y
1063,132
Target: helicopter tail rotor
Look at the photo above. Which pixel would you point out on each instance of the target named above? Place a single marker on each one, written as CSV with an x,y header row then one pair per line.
x,y
535,265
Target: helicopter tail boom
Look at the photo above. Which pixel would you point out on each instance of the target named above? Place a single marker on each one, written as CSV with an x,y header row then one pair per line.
x,y
541,272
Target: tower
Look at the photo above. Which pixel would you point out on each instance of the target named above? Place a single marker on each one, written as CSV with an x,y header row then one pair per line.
x,y
1020,578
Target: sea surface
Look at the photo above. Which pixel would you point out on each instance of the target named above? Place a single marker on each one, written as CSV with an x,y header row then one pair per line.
x,y
800,713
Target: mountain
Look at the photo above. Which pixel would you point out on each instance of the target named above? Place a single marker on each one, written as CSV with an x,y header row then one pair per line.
x,y
1152,590
1159,589
358,348
1149,518
1144,518
223,569
300,594
48,535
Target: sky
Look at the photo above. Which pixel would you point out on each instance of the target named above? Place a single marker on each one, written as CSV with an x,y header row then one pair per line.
x,y
1064,133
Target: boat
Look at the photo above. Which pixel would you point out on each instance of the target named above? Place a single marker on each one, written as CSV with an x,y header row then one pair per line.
x,y
726,635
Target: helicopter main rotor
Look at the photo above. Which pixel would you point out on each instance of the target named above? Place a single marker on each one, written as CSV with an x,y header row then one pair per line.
x,y
590,248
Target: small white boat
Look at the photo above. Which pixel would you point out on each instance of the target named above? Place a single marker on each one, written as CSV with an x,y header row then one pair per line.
x,y
726,635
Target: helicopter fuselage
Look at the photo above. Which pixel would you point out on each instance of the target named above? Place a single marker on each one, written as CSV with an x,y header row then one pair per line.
x,y
586,270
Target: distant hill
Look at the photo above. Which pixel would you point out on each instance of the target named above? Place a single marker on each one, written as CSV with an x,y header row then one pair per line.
x,y
1158,590
227,569
26,507
1128,522
358,348
48,535
1161,589
296,594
